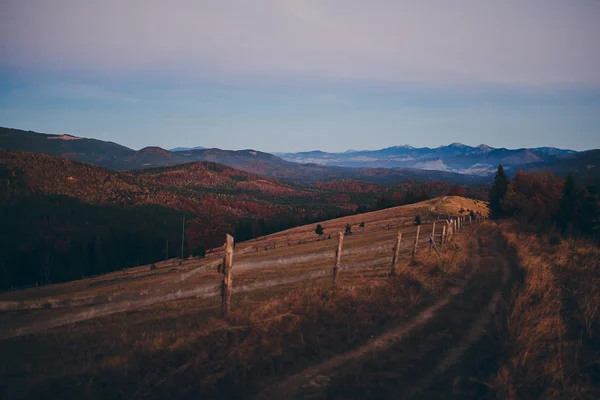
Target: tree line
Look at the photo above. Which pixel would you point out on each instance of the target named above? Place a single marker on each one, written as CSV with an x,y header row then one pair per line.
x,y
547,202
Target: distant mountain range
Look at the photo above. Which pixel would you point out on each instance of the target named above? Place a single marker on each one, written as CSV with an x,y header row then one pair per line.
x,y
114,156
456,157
456,163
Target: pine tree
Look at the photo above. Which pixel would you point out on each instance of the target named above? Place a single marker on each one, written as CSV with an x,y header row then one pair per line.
x,y
589,213
348,229
497,192
568,209
319,230
417,219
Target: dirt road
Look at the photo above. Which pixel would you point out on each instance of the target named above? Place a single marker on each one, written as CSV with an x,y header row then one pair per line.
x,y
434,356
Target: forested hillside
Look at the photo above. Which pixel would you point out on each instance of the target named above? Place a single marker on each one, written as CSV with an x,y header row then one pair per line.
x,y
64,219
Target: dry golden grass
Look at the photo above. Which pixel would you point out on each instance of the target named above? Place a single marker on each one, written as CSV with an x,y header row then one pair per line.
x,y
453,204
551,335
184,349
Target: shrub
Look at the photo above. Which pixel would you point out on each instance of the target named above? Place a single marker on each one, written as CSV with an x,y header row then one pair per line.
x,y
319,230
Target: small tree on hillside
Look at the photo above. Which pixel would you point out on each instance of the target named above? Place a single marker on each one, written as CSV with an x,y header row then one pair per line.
x,y
497,192
348,229
362,227
417,219
319,230
568,209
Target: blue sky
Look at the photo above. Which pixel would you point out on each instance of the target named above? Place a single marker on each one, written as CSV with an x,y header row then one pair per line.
x,y
293,75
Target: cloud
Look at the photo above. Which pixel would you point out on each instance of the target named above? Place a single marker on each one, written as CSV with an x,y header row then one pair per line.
x,y
550,42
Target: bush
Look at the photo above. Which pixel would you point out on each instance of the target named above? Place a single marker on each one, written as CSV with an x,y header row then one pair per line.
x,y
319,230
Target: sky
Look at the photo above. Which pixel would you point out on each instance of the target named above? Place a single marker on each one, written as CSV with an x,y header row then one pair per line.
x,y
294,75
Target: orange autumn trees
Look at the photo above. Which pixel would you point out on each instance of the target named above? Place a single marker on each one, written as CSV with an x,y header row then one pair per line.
x,y
533,198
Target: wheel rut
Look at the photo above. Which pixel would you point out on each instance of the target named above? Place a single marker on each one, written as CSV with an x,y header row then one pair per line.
x,y
408,361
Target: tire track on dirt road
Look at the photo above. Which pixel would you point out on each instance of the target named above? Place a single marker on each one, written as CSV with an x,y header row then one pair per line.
x,y
404,362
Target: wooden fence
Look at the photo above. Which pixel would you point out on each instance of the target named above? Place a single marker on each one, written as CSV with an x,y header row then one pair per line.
x,y
450,227
226,266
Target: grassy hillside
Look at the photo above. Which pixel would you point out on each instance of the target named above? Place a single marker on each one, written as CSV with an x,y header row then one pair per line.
x,y
549,331
161,350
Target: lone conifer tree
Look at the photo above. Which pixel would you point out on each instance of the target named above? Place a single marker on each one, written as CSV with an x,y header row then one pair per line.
x,y
497,192
568,210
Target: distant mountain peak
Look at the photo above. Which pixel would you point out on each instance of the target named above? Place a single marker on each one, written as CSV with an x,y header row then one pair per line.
x,y
187,148
484,147
458,145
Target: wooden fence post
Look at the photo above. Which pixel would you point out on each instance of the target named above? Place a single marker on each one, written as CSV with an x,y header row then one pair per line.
x,y
338,257
443,237
432,233
396,256
227,282
416,241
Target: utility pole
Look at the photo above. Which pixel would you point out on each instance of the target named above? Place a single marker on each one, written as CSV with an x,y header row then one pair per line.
x,y
182,235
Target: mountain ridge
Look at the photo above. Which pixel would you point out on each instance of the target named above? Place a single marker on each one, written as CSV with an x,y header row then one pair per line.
x,y
457,163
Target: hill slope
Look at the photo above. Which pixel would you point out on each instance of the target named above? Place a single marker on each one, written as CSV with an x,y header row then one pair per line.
x,y
57,212
113,156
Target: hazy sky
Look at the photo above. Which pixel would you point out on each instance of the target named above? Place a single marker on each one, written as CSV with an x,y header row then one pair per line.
x,y
292,75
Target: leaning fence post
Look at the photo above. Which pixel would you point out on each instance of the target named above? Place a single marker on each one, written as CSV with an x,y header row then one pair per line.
x,y
432,232
396,255
227,282
338,257
443,237
416,241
